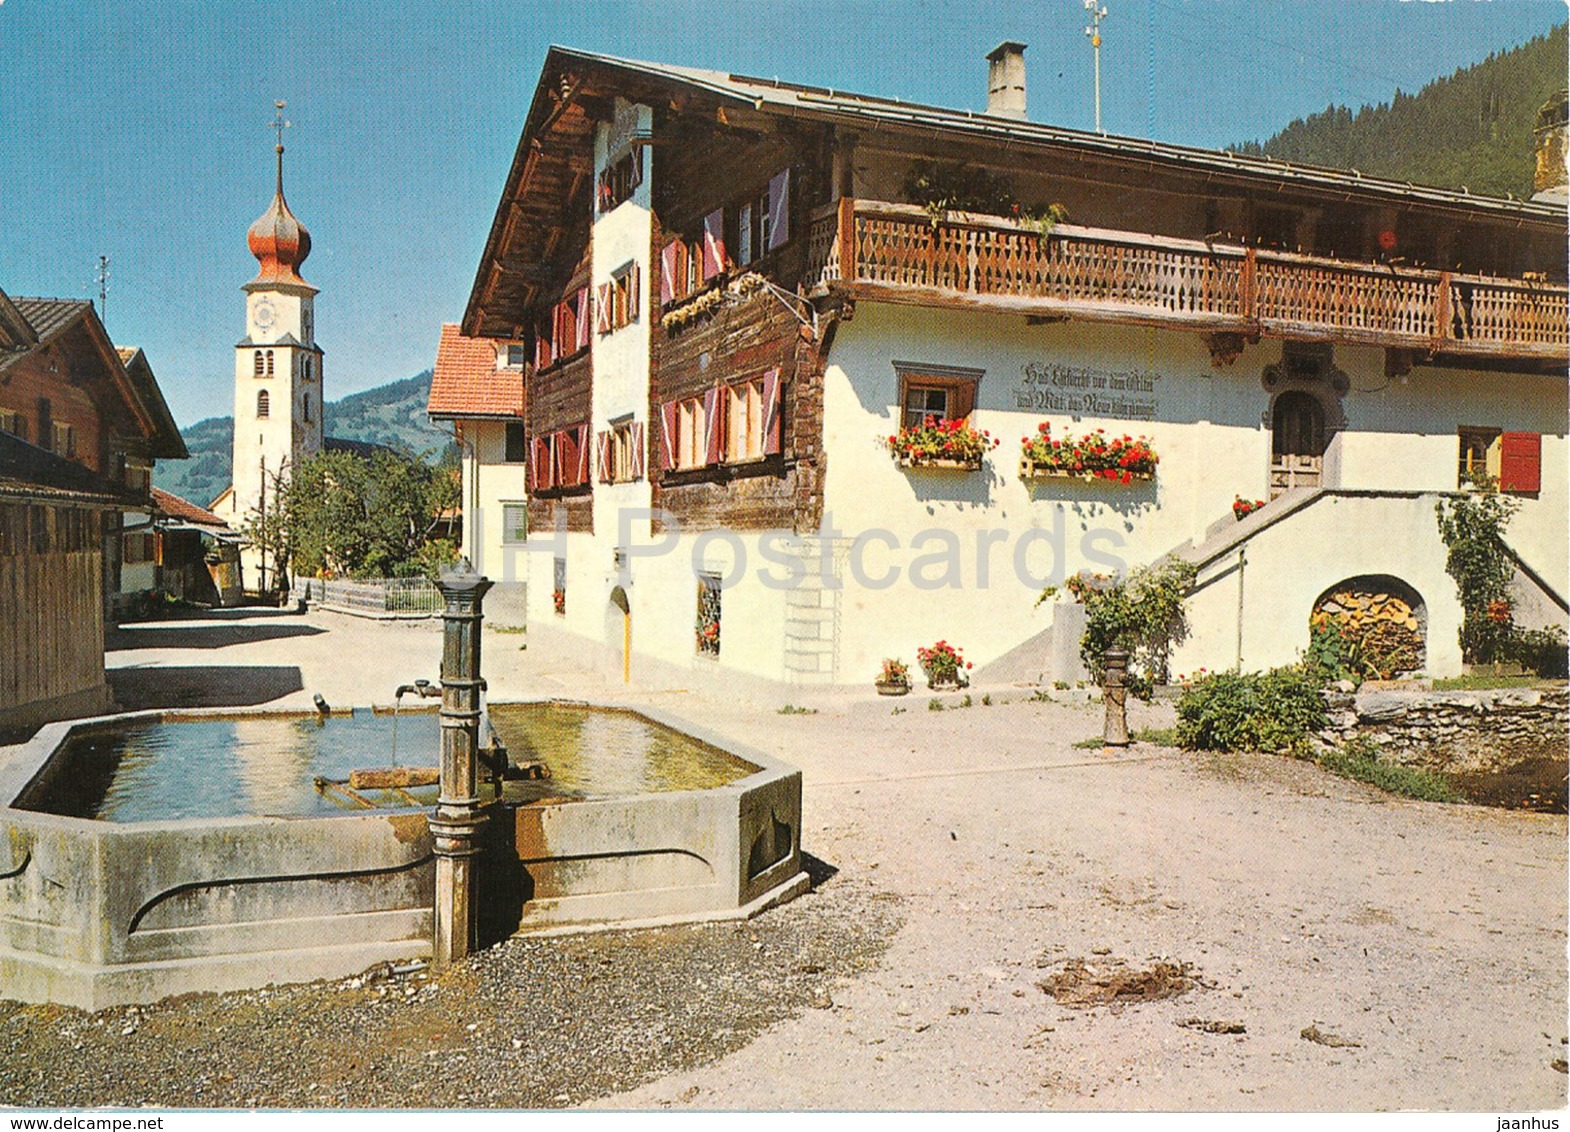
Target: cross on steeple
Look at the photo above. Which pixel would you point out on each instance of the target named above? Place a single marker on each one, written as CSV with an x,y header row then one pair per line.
x,y
279,124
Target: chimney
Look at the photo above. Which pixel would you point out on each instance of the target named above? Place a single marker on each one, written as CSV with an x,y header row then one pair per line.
x,y
1549,182
1006,80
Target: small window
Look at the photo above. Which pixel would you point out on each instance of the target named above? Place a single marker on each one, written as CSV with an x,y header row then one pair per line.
x,y
515,523
559,587
744,244
691,434
620,179
13,423
517,451
46,435
269,363
64,440
945,393
621,453
263,405
1479,454
707,626
305,408
744,431
516,355
258,364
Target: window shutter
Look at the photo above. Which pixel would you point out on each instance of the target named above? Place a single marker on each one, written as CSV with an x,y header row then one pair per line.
x,y
584,454
583,316
602,464
713,244
1520,461
542,345
962,400
637,450
779,208
771,412
602,308
634,291
668,257
565,450
668,413
540,464
713,426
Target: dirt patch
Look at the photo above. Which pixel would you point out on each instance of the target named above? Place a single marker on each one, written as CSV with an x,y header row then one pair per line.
x,y
1324,1038
1536,784
1108,980
1213,1026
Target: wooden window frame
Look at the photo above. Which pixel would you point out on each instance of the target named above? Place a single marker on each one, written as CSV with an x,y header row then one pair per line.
x,y
744,422
960,385
1470,440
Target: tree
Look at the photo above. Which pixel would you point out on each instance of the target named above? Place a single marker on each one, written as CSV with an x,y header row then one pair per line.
x,y
366,517
1472,527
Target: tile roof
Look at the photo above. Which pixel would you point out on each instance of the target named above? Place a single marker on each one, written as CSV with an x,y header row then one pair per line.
x,y
50,316
32,473
466,381
822,103
184,510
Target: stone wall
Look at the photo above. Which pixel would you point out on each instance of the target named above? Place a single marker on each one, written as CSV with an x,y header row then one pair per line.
x,y
1486,731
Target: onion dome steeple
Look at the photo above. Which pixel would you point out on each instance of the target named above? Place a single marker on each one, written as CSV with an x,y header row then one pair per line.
x,y
278,240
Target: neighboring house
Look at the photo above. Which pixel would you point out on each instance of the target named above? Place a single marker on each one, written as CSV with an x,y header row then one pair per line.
x,y
733,296
477,385
56,517
65,388
198,554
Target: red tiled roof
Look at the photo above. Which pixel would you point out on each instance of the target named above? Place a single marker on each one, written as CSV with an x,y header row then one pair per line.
x,y
184,509
468,384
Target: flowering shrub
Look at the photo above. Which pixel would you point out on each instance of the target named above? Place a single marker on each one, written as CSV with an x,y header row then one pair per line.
x,y
559,600
943,664
1142,613
895,672
1242,508
1094,455
935,440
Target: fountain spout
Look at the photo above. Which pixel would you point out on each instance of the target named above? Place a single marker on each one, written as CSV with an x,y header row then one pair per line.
x,y
422,688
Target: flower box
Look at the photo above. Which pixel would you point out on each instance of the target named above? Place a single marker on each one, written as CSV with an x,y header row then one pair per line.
x,y
940,463
1031,470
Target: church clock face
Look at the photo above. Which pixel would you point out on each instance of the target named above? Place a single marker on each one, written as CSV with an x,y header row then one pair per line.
x,y
265,315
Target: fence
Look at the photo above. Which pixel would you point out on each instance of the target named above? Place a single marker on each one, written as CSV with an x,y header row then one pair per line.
x,y
371,597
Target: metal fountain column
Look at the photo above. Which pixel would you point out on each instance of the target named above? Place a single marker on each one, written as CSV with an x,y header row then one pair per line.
x,y
458,815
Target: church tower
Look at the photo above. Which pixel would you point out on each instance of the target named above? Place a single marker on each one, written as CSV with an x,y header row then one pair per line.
x,y
277,370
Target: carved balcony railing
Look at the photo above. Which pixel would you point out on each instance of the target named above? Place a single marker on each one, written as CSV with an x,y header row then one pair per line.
x,y
895,252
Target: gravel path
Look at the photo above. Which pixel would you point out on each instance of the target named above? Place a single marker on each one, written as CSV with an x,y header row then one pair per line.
x,y
1376,953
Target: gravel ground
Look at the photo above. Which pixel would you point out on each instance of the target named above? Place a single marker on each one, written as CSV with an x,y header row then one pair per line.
x,y
533,1023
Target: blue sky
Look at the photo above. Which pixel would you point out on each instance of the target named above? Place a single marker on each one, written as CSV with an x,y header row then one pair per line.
x,y
139,130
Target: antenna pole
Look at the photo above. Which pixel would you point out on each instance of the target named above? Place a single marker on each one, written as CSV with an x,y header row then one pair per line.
x,y
1096,14
103,290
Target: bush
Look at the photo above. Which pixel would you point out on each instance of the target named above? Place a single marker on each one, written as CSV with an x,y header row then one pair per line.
x,y
1541,650
1142,614
1255,711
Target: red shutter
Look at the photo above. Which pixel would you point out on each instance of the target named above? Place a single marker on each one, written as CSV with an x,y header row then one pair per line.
x,y
771,412
583,316
668,256
637,450
602,308
583,454
779,208
602,459
713,427
543,477
668,414
1520,462
713,244
528,469
634,292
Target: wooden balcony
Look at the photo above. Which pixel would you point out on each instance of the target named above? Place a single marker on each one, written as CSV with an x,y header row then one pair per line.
x,y
894,252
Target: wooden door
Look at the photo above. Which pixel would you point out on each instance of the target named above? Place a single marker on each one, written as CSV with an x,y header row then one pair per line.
x,y
1297,445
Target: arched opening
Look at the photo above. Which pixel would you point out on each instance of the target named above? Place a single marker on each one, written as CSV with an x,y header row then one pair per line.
x,y
305,408
263,405
1381,621
1297,442
269,363
256,363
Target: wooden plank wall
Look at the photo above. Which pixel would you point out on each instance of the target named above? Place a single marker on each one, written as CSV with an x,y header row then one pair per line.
x,y
51,607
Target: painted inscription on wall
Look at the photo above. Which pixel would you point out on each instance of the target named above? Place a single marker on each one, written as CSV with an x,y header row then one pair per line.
x,y
1054,388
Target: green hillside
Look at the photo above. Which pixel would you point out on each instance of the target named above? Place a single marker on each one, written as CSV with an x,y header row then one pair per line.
x,y
1472,129
391,415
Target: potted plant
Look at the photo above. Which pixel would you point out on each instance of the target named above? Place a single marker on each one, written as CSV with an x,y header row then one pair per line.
x,y
1242,508
941,444
894,680
945,666
1095,457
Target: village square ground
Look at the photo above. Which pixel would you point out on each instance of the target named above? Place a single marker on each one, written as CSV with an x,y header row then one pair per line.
x,y
960,859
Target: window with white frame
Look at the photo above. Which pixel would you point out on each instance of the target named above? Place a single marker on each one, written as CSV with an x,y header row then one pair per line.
x,y
942,392
620,457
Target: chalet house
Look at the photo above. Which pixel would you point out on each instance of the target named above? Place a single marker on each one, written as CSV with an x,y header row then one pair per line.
x,y
79,431
731,296
477,388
